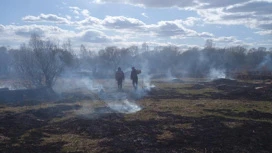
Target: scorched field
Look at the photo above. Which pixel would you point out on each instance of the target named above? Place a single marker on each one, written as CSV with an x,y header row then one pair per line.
x,y
173,116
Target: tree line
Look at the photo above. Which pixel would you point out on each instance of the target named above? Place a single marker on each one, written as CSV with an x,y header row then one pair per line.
x,y
40,62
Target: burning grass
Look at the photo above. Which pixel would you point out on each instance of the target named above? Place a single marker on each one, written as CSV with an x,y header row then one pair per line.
x,y
174,117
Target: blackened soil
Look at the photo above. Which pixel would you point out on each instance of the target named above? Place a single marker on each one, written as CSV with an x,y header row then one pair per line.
x,y
170,133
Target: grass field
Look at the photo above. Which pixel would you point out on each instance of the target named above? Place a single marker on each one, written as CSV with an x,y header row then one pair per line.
x,y
175,117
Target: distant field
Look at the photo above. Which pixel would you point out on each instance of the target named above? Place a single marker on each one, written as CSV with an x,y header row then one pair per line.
x,y
189,115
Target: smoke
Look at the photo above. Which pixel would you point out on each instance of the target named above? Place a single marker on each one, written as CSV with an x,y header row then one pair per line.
x,y
103,91
11,85
120,103
115,102
169,75
266,63
146,77
216,74
74,83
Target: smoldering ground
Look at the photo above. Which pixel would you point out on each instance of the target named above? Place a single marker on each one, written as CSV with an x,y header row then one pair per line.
x,y
103,92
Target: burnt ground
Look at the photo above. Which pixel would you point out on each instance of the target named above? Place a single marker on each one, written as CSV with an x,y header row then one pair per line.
x,y
217,116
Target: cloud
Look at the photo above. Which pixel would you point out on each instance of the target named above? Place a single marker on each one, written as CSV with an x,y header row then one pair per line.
x,y
135,28
94,36
182,4
27,31
225,12
208,4
229,41
265,32
46,18
152,3
266,26
2,28
225,39
68,17
205,34
144,15
175,29
89,21
15,35
85,13
121,22
256,7
169,28
75,9
190,21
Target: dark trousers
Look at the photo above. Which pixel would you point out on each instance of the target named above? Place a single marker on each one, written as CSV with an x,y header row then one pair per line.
x,y
135,83
119,83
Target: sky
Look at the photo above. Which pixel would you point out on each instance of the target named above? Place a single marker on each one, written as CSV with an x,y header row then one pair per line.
x,y
97,24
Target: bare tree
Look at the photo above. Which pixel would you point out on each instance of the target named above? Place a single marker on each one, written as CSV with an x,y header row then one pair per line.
x,y
41,62
111,57
4,61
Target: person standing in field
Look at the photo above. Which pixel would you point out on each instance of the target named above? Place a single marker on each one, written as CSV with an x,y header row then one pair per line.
x,y
134,77
120,77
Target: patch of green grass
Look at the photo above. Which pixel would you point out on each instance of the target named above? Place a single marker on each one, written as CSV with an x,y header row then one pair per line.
x,y
203,107
74,143
204,91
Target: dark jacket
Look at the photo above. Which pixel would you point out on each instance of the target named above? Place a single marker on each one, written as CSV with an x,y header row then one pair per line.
x,y
119,75
133,75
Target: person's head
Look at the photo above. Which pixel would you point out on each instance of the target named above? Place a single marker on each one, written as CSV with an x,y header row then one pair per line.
x,y
119,68
133,68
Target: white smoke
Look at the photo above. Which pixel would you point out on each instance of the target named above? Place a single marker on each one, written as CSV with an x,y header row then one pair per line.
x,y
124,106
69,84
118,102
11,85
266,63
106,92
169,75
146,77
216,74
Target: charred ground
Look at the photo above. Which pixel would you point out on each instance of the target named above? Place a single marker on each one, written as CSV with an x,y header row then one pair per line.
x,y
177,116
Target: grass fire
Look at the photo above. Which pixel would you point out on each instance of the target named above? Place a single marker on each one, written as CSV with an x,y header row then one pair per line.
x,y
142,100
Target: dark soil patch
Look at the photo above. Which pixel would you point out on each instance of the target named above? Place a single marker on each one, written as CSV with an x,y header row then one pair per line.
x,y
165,133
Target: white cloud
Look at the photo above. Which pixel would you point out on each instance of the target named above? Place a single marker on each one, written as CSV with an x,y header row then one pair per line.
x,y
229,41
144,15
68,17
152,3
226,12
205,34
15,35
190,21
95,36
225,39
121,22
75,9
26,31
169,28
85,13
175,30
46,18
207,4
264,32
2,28
256,7
134,27
89,21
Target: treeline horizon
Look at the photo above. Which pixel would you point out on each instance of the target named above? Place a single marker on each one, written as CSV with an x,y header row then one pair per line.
x,y
41,62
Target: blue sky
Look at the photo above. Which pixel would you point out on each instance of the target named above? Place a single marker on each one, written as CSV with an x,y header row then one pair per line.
x,y
101,23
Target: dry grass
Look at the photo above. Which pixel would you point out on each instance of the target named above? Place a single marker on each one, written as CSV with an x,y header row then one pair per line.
x,y
168,124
